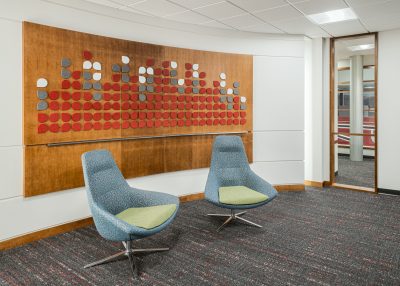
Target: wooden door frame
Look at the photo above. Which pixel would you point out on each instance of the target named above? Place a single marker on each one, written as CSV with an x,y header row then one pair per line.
x,y
332,108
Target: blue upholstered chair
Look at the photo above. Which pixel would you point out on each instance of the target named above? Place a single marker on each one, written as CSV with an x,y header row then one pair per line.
x,y
231,184
122,213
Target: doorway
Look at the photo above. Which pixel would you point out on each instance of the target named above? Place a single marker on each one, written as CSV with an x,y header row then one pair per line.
x,y
353,112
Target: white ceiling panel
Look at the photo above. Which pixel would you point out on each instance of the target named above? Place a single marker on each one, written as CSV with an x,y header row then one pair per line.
x,y
278,14
126,2
344,28
242,21
158,8
257,5
188,17
220,10
262,28
193,4
105,3
301,25
318,6
355,3
215,24
379,10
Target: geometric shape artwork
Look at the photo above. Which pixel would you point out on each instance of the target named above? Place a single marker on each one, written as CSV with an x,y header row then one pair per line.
x,y
125,60
222,91
87,55
195,90
97,76
195,82
150,79
142,79
116,68
195,67
42,94
87,75
230,91
196,74
125,77
181,81
235,91
236,84
202,75
222,75
42,105
243,106
41,82
97,96
150,62
97,66
87,65
173,81
97,86
216,83
76,74
223,83
65,73
181,89
142,70
142,88
243,99
174,65
142,97
229,99
150,88
87,85
229,106
65,84
150,70
76,85
222,98
188,66
173,73
125,68
65,62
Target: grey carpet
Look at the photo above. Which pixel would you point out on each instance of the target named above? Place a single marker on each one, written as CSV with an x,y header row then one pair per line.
x,y
356,173
317,237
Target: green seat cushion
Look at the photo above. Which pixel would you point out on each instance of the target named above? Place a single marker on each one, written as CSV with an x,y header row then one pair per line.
x,y
147,217
240,195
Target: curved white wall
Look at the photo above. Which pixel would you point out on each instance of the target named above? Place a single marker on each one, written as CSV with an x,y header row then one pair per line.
x,y
278,155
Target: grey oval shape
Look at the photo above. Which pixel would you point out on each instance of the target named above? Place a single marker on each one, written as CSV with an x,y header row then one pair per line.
x,y
195,90
87,85
65,73
97,96
150,79
235,91
116,68
222,99
97,85
142,97
65,62
150,88
173,81
181,89
42,105
42,94
229,98
142,87
125,77
229,106
222,91
173,73
87,75
195,82
243,106
125,68
236,84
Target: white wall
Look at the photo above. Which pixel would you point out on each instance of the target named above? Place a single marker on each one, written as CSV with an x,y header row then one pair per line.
x,y
388,110
278,137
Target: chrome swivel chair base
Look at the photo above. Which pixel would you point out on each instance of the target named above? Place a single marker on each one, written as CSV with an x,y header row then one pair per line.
x,y
232,217
128,252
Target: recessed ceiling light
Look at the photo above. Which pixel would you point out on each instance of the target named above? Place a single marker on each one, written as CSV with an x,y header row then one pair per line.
x,y
361,47
333,16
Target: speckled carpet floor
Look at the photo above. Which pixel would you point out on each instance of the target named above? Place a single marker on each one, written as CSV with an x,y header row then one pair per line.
x,y
356,173
317,237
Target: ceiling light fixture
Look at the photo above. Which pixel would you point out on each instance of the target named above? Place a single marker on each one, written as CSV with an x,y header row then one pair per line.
x,y
333,16
361,47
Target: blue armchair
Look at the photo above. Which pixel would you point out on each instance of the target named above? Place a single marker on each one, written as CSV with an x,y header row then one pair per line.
x,y
122,213
232,184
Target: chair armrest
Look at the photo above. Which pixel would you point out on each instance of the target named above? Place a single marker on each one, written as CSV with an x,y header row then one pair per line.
x,y
212,188
258,184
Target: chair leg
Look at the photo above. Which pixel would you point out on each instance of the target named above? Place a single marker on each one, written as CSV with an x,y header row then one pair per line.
x,y
106,260
232,217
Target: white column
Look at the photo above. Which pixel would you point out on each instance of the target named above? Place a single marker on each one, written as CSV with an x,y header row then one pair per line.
x,y
356,107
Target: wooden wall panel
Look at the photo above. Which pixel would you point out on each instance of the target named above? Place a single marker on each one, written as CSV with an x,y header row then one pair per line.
x,y
44,173
49,169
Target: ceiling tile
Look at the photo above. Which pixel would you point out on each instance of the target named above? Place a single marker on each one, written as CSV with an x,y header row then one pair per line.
x,y
379,11
188,17
278,14
262,28
220,10
344,28
216,24
302,26
242,21
318,6
105,3
257,5
126,2
355,3
158,7
193,4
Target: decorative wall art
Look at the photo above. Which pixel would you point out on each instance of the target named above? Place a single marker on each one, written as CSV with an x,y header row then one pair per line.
x,y
81,88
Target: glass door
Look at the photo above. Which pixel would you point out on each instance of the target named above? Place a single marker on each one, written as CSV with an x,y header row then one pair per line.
x,y
353,106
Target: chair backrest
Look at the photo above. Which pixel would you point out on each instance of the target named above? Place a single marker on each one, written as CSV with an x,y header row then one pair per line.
x,y
229,160
101,174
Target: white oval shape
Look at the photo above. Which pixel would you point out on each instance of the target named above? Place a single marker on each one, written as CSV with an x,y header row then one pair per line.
x,y
97,66
195,67
174,65
142,79
150,70
87,65
41,82
222,75
97,76
142,70
242,99
195,74
222,83
181,81
229,91
125,59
